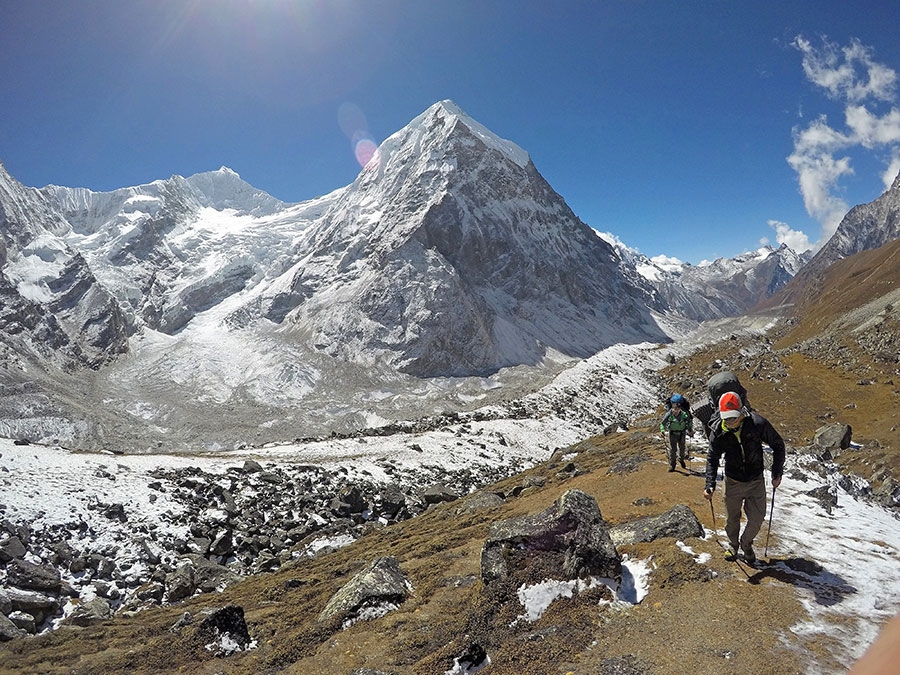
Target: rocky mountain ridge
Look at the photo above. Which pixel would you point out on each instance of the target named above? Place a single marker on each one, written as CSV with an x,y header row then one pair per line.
x,y
448,275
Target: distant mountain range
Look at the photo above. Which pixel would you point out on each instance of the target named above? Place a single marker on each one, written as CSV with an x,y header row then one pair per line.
x,y
202,310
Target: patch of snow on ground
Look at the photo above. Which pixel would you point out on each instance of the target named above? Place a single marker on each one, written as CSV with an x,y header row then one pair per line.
x,y
701,559
536,598
858,549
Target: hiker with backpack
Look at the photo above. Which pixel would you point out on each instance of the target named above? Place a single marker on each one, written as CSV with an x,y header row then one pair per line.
x,y
678,422
739,433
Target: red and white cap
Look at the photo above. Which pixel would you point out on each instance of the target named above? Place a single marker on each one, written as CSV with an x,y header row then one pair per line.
x,y
730,405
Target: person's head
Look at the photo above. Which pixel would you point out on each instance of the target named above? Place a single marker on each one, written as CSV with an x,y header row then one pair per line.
x,y
731,410
676,408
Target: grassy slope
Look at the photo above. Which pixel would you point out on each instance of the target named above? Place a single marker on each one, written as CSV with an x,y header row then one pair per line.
x,y
688,622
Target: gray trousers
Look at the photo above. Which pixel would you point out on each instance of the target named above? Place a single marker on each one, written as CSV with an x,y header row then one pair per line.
x,y
677,446
750,495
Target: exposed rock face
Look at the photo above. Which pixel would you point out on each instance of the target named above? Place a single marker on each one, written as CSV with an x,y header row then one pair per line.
x,y
865,227
569,538
52,307
376,590
679,521
834,438
724,287
481,244
227,629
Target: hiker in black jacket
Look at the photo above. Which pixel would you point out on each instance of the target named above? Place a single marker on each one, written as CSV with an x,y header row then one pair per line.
x,y
740,436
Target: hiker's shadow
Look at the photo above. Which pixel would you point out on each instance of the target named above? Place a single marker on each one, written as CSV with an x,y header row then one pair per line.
x,y
828,588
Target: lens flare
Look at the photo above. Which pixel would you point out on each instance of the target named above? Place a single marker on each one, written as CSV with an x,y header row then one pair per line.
x,y
365,151
353,123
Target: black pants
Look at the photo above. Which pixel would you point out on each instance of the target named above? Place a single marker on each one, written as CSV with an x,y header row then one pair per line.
x,y
677,447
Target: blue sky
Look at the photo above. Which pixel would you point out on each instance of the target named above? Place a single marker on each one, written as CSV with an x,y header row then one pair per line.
x,y
689,129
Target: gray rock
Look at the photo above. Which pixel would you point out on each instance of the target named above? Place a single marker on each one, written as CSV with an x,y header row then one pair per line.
x,y
826,496
252,466
888,493
265,562
37,604
11,549
26,575
378,588
223,544
833,438
482,499
24,620
569,538
209,576
436,494
679,522
348,502
92,611
180,583
9,630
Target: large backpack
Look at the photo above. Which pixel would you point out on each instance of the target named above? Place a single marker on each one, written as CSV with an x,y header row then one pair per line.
x,y
722,383
719,384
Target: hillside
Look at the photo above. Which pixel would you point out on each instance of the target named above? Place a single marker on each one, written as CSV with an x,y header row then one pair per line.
x,y
833,549
699,613
810,611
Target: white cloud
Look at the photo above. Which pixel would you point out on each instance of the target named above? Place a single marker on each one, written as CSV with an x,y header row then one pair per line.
x,y
794,239
847,73
851,75
614,241
870,130
818,173
667,262
892,172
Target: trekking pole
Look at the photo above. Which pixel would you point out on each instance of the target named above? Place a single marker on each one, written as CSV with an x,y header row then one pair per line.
x,y
771,512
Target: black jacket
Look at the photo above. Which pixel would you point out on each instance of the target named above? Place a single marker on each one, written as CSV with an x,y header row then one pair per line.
x,y
744,457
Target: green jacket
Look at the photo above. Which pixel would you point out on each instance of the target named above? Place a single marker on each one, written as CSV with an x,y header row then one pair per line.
x,y
679,422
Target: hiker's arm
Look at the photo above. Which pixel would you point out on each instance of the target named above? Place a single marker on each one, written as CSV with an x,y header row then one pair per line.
x,y
774,440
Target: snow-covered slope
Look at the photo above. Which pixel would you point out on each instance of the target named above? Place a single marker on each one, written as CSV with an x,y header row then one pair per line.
x,y
712,290
450,255
53,309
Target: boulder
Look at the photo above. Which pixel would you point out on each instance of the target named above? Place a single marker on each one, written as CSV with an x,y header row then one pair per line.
x,y
826,496
93,611
437,493
37,604
570,538
832,438
379,588
888,493
679,522
26,575
349,501
481,499
11,549
180,583
209,576
24,620
227,629
9,630
252,466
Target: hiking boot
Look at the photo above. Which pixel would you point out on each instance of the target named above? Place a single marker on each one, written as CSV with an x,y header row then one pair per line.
x,y
671,469
682,464
749,555
730,555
